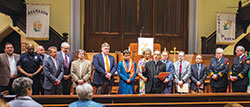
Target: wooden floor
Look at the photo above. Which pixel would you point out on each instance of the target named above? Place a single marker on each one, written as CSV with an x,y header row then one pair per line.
x,y
176,100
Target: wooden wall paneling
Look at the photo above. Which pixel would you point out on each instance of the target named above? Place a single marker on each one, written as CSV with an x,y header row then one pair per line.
x,y
130,10
165,20
115,15
146,17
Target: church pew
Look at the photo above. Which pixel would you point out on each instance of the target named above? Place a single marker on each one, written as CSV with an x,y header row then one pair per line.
x,y
148,99
179,104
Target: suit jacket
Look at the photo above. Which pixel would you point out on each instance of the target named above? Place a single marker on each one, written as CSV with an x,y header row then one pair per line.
x,y
185,72
51,73
60,58
85,74
149,74
219,68
169,68
240,69
5,68
100,72
195,75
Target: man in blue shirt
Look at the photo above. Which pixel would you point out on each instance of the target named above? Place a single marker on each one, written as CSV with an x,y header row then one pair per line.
x,y
30,65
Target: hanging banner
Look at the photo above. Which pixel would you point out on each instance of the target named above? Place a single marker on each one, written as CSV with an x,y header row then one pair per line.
x,y
37,21
145,43
225,28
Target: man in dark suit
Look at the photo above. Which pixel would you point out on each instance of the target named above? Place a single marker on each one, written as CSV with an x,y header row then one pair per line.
x,y
65,57
153,68
239,71
198,75
105,69
8,71
53,72
41,51
218,69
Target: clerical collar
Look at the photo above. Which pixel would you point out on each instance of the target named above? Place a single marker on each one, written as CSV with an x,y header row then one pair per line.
x,y
156,62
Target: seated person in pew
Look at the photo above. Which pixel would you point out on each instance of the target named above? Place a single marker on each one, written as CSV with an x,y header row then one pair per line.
x,y
85,94
154,85
239,71
81,69
141,64
126,71
169,68
198,75
182,73
218,69
22,86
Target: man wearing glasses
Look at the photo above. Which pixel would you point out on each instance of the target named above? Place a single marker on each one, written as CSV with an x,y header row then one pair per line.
x,y
152,69
182,71
30,65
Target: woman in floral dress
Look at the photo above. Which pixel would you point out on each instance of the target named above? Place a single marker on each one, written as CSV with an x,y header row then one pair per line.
x,y
141,63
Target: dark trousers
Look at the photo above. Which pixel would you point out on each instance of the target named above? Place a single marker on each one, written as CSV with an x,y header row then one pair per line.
x,y
8,87
219,89
106,88
36,86
66,86
239,88
155,90
57,91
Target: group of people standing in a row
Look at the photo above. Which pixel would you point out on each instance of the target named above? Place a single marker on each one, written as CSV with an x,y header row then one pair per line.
x,y
181,71
53,73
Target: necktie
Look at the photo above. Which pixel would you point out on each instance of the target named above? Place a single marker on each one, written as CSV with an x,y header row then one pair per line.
x,y
180,69
199,70
66,61
107,63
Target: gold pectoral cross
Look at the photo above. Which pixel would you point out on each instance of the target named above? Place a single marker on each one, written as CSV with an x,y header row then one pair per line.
x,y
174,52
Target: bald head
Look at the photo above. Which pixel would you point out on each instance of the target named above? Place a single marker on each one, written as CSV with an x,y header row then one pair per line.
x,y
30,48
40,50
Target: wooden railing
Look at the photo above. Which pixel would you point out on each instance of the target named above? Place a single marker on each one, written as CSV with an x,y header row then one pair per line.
x,y
16,9
242,22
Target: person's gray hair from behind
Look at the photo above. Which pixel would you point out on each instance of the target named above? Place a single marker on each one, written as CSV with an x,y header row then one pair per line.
x,y
145,50
20,85
84,91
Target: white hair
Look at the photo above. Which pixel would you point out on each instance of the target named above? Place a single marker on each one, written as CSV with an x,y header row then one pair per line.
x,y
219,50
65,44
181,53
84,91
241,48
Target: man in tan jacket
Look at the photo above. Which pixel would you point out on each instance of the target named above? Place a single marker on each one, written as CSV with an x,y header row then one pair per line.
x,y
8,69
81,69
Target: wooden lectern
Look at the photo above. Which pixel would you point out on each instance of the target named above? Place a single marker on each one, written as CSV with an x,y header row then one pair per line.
x,y
134,51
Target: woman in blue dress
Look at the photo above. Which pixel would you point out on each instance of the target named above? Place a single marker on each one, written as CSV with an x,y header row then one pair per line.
x,y
126,71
